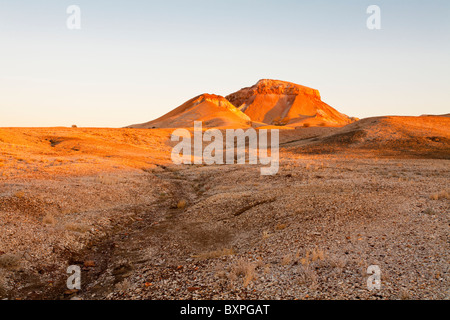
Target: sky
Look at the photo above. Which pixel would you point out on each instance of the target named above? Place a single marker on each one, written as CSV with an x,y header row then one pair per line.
x,y
133,61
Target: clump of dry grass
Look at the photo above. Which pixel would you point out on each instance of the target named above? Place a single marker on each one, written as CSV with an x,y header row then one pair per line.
x,y
49,219
10,261
338,262
182,204
317,254
280,226
214,254
265,234
286,260
245,269
19,194
124,285
444,194
109,179
307,276
404,295
312,256
77,227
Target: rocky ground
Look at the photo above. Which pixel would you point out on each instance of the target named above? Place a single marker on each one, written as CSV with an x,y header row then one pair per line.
x,y
159,231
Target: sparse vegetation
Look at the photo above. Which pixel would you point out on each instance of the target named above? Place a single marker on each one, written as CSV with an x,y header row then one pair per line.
x,y
287,260
10,261
444,194
280,226
77,227
19,194
244,269
49,219
182,204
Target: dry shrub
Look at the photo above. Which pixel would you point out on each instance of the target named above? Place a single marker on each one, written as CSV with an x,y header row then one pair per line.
x,y
109,179
306,125
181,204
124,285
444,194
49,219
19,194
317,254
307,276
246,269
280,226
404,295
9,261
286,260
338,262
77,227
312,256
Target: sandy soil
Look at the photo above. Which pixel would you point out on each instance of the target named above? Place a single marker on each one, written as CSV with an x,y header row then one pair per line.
x,y
110,201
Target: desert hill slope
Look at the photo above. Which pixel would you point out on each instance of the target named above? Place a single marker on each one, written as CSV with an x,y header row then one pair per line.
x,y
213,110
281,102
424,136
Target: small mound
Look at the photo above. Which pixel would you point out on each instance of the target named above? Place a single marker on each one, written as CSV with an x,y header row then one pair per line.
x,y
424,137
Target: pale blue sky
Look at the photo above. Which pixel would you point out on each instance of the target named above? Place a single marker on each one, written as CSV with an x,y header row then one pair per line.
x,y
133,61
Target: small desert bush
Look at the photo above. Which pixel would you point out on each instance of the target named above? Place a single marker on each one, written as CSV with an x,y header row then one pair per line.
x,y
19,194
444,194
307,125
265,234
49,219
312,256
280,226
338,262
404,295
9,261
286,260
317,254
77,227
109,179
181,204
244,269
307,276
